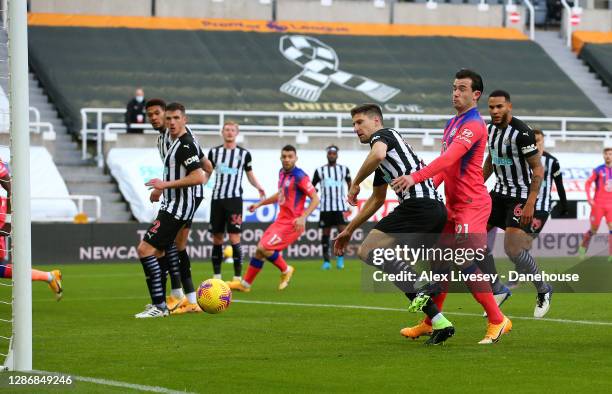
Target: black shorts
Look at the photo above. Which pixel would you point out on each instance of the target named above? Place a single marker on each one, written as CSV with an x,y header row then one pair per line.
x,y
506,211
198,201
331,218
415,215
163,231
226,212
538,222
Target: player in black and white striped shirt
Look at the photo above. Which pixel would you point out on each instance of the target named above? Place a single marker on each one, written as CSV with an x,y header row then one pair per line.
x,y
552,173
176,259
230,162
418,219
182,171
333,207
515,160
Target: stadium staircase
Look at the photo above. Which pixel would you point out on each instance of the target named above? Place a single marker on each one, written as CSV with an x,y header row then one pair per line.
x,y
586,81
81,177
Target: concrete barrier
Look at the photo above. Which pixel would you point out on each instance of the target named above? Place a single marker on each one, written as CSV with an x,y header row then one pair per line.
x,y
448,14
98,7
339,11
229,9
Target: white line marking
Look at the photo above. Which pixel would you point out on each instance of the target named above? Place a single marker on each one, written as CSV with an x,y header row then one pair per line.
x,y
114,383
340,306
378,308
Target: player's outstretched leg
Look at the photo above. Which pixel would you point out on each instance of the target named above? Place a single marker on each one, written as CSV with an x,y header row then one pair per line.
x,y
52,278
189,303
217,260
501,292
325,244
176,297
442,329
237,256
584,245
152,272
286,270
430,299
525,264
255,265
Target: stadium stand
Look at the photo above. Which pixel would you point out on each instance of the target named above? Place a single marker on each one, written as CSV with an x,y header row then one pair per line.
x,y
599,59
50,198
99,67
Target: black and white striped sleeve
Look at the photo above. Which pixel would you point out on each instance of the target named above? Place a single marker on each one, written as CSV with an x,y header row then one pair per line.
x,y
187,155
248,162
211,158
316,178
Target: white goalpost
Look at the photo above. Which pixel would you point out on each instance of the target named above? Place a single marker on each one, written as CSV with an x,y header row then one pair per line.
x,y
19,357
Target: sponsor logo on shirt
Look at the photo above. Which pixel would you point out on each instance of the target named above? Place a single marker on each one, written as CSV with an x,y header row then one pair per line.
x,y
466,136
331,182
528,149
227,170
190,160
501,161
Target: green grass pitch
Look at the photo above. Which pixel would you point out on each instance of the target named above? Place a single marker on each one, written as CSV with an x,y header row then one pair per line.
x,y
308,342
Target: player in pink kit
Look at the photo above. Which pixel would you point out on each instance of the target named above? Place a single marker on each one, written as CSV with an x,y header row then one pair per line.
x,y
467,201
53,278
601,204
293,188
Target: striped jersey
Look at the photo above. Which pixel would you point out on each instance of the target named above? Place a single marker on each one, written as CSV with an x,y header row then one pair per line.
x,y
509,149
181,159
164,141
552,171
229,165
400,160
333,179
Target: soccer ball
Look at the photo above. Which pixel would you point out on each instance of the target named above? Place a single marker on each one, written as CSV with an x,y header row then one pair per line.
x,y
228,254
214,296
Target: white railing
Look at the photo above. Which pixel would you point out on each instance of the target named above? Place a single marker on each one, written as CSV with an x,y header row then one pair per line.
x,y
46,128
338,125
80,199
531,9
34,125
576,9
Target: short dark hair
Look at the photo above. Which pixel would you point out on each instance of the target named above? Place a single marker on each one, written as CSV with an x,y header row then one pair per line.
x,y
289,148
175,107
477,83
538,132
607,149
501,93
156,102
368,109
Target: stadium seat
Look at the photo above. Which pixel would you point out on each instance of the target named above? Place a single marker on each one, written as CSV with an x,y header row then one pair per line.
x,y
225,70
599,59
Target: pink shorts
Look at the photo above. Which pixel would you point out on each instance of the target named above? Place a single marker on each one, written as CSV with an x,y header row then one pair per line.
x,y
278,236
466,220
599,211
